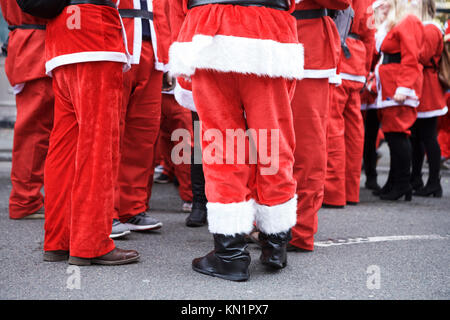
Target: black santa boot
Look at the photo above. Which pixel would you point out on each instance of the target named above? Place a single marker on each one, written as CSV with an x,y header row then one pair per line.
x,y
274,249
229,260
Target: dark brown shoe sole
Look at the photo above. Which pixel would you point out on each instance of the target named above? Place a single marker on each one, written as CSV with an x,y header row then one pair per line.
x,y
52,256
87,262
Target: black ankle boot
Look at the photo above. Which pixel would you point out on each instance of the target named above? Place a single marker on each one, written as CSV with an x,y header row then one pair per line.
x,y
372,184
416,182
431,189
273,249
197,217
229,260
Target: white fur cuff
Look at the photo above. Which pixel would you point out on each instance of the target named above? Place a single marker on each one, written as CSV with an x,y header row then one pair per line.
x,y
278,218
231,218
237,54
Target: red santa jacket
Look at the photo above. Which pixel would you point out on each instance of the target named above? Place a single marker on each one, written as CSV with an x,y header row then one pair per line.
x,y
159,28
213,37
406,77
432,101
26,59
84,33
320,38
357,67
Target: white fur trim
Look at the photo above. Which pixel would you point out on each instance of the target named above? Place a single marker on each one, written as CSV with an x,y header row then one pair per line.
x,y
352,77
184,98
87,56
406,92
278,218
237,54
231,218
18,88
432,114
319,73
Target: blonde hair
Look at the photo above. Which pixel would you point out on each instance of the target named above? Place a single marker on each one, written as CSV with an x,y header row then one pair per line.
x,y
428,10
399,9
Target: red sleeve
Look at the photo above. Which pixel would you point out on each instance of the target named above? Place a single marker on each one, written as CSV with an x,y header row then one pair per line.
x,y
433,45
410,35
177,16
367,32
162,28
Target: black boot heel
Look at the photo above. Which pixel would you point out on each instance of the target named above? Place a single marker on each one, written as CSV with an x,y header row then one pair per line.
x,y
408,196
274,249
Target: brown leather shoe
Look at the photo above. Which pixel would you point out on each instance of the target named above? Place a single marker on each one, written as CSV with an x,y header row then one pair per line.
x,y
113,258
56,255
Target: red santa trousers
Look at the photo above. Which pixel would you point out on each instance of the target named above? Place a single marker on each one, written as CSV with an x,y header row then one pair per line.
x,y
83,157
175,117
240,192
140,122
310,110
34,121
345,143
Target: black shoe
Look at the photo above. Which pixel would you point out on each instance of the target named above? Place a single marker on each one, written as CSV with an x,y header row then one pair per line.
x,y
372,184
434,190
197,217
229,260
417,183
273,249
398,192
292,248
352,203
331,206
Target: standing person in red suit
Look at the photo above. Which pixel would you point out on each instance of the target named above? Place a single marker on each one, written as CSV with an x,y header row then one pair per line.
x,y
148,33
399,79
183,95
240,55
345,139
25,69
86,56
310,111
432,105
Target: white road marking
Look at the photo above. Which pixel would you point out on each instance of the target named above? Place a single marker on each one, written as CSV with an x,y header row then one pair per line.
x,y
340,242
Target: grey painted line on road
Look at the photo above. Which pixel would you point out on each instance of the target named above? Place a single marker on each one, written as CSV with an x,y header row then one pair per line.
x,y
359,240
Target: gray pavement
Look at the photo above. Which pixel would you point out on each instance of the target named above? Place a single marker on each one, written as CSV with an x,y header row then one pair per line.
x,y
359,255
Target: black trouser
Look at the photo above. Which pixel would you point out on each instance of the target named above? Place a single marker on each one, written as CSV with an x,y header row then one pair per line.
x,y
197,177
424,140
371,127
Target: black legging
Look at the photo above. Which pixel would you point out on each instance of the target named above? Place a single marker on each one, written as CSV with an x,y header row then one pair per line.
x,y
424,140
372,126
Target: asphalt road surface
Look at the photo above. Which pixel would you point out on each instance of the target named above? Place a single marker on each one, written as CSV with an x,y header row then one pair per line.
x,y
376,250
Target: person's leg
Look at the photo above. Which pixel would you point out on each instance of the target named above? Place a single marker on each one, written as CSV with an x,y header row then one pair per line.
x,y
231,210
433,151
60,168
310,113
334,193
418,154
372,126
142,124
354,145
198,215
275,185
34,122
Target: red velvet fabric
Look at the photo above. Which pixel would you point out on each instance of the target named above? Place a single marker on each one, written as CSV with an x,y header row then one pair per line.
x,y
397,119
34,121
310,111
175,117
345,145
140,122
83,157
221,100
